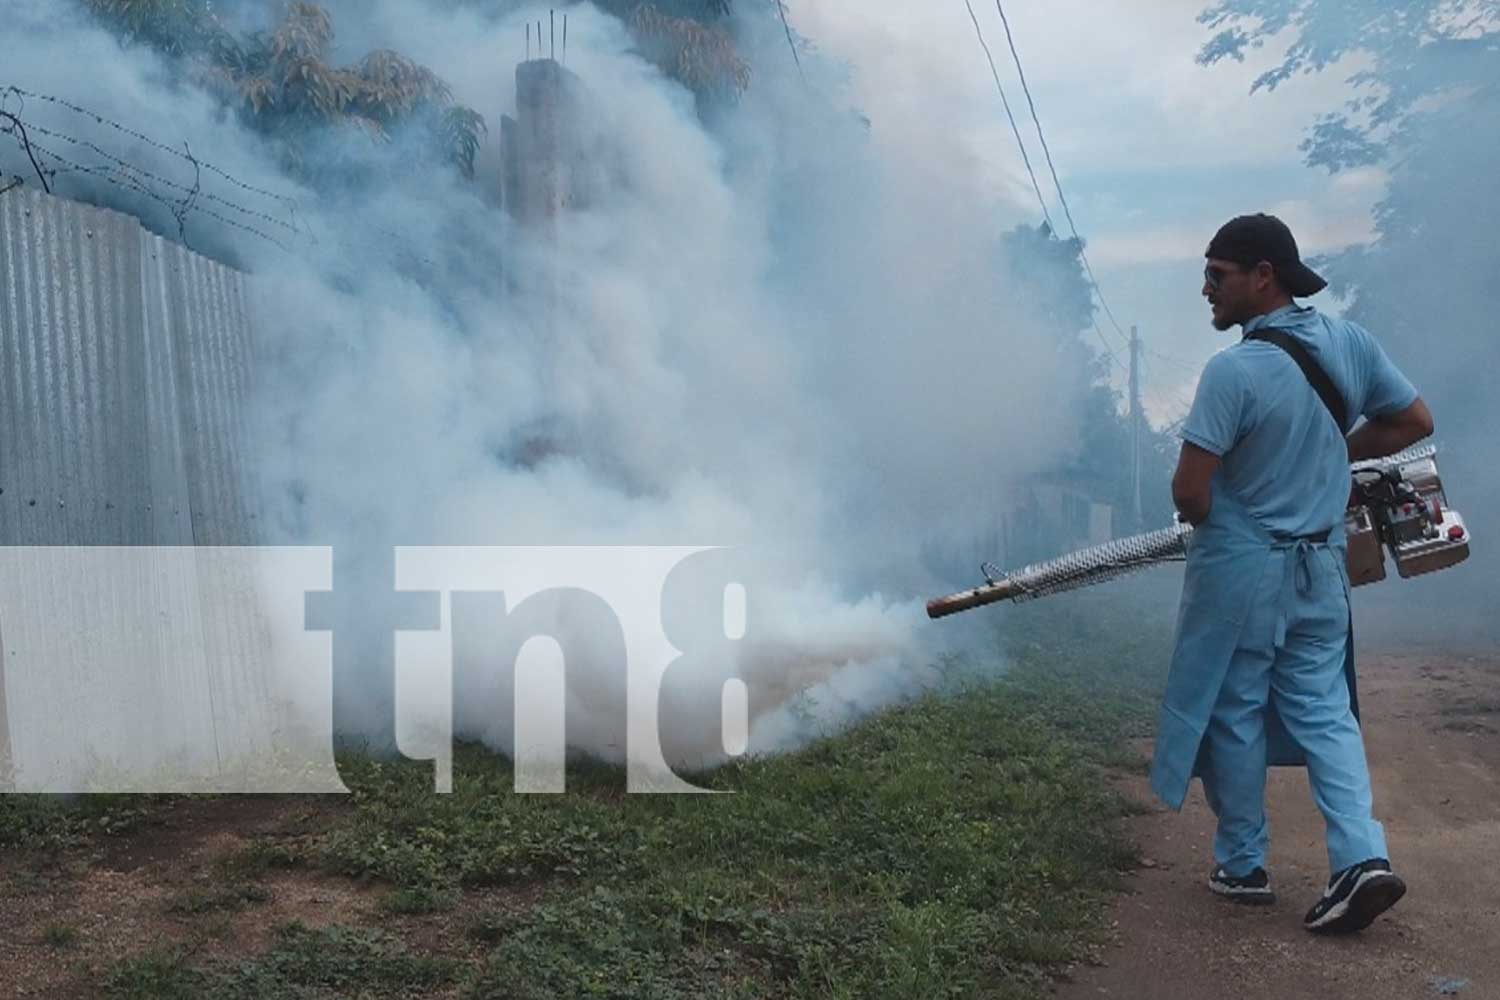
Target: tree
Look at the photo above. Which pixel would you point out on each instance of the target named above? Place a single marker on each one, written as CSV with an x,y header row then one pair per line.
x,y
1050,272
690,41
1423,51
283,85
701,56
1425,111
175,27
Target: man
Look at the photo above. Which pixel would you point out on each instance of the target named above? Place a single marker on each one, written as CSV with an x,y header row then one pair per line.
x,y
1263,672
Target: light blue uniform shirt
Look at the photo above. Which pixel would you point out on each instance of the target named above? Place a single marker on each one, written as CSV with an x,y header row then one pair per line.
x,y
1282,455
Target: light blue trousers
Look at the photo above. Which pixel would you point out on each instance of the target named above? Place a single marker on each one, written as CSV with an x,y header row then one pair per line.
x,y
1291,654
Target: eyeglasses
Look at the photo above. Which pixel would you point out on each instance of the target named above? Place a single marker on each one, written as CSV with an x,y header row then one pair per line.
x,y
1214,276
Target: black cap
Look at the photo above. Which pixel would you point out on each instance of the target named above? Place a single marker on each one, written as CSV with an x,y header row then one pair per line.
x,y
1250,239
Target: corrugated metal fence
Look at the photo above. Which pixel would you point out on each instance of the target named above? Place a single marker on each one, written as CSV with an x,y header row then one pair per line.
x,y
125,363
125,369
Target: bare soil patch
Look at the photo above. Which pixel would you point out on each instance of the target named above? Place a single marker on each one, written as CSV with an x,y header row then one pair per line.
x,y
1430,725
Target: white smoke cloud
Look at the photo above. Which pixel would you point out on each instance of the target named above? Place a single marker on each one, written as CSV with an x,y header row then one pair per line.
x,y
787,331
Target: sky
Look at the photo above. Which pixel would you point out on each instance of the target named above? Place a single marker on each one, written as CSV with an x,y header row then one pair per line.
x,y
1153,150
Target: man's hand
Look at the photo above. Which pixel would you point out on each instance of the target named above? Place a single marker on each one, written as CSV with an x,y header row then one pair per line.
x,y
1386,435
1192,483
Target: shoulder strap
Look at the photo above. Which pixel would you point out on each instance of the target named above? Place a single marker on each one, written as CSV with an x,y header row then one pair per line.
x,y
1316,376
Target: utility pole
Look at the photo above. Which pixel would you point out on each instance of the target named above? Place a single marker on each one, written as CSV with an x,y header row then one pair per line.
x,y
1135,427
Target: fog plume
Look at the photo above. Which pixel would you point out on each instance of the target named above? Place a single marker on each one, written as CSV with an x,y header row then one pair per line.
x,y
783,324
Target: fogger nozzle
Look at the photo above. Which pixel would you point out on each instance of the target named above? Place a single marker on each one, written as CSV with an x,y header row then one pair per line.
x,y
941,607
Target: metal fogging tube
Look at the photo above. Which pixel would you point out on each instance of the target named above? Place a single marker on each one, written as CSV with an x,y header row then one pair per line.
x,y
1076,569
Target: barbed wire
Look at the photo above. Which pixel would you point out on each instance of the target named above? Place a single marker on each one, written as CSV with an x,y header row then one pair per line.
x,y
150,183
185,199
191,193
15,126
128,180
125,175
179,198
8,91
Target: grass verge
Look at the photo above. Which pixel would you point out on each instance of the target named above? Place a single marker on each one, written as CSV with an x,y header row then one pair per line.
x,y
964,845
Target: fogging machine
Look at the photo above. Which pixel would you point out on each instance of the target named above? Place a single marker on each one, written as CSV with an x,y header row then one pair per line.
x,y
1397,505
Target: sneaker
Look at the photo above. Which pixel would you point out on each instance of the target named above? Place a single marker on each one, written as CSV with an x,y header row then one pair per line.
x,y
1355,897
1254,888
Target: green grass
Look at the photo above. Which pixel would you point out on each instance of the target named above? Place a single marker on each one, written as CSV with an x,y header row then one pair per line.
x,y
419,899
60,936
156,975
224,899
302,963
956,847
959,846
259,858
57,822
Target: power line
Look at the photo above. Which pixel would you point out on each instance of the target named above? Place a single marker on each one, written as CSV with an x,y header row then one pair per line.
x,y
1062,198
1109,352
1008,114
1172,395
1097,291
1185,366
785,24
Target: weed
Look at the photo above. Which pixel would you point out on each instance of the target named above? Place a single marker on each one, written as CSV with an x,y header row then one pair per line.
x,y
302,963
231,899
489,928
56,822
260,857
419,899
60,935
156,975
338,961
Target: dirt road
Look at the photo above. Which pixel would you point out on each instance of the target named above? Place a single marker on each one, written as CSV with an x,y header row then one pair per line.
x,y
1432,726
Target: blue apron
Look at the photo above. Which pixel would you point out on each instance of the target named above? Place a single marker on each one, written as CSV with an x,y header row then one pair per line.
x,y
1226,564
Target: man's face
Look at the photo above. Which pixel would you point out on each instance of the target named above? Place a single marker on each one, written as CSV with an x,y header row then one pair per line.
x,y
1233,291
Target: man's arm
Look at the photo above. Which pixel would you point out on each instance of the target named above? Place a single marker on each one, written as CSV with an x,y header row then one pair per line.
x,y
1388,434
1192,483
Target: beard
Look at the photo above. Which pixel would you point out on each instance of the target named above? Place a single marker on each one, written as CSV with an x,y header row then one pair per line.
x,y
1223,317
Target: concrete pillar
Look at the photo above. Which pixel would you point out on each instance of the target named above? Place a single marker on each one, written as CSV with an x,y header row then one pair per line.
x,y
540,145
543,176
